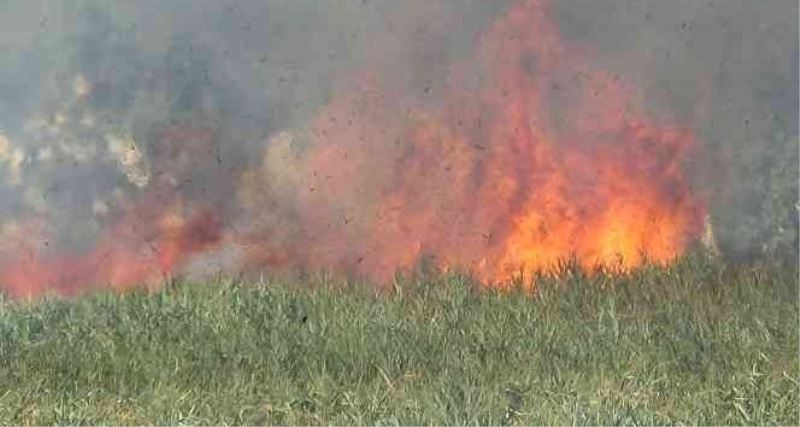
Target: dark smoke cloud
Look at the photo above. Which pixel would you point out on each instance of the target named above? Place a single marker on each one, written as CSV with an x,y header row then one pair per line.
x,y
247,70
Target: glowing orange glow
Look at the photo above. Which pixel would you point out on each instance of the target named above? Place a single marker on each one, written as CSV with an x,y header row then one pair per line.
x,y
529,156
547,160
152,237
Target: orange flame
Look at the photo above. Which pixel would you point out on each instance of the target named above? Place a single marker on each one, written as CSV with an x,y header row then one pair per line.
x,y
534,157
546,159
125,257
154,235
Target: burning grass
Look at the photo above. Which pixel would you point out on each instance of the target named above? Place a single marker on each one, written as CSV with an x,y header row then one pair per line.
x,y
699,342
531,152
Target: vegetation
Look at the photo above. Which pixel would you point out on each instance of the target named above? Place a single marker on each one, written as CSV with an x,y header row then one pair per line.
x,y
701,342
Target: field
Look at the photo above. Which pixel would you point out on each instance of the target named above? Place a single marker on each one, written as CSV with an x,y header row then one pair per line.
x,y
701,342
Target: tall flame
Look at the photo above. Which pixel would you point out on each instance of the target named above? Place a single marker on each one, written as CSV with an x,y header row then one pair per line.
x,y
532,157
546,158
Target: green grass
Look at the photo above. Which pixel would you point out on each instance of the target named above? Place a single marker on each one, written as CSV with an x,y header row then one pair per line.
x,y
700,342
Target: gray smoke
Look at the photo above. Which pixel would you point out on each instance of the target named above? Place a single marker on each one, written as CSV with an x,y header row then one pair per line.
x,y
87,87
731,69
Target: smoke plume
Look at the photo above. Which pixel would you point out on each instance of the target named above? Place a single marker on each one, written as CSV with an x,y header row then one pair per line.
x,y
148,139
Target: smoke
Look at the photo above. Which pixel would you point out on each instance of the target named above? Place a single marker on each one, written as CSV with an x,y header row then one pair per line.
x,y
731,69
147,138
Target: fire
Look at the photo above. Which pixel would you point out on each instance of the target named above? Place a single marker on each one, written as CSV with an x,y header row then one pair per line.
x,y
532,155
548,159
155,234
126,256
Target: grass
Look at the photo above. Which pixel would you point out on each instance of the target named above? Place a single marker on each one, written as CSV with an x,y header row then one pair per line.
x,y
700,342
